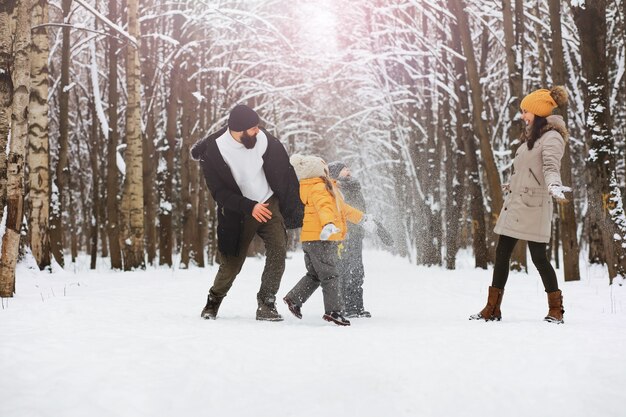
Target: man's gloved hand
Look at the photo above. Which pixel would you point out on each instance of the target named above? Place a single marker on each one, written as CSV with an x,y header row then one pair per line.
x,y
506,187
557,192
368,224
328,230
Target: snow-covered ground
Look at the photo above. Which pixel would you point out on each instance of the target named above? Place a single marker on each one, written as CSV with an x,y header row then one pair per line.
x,y
82,343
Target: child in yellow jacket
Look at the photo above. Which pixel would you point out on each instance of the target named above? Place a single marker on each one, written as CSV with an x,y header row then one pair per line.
x,y
324,227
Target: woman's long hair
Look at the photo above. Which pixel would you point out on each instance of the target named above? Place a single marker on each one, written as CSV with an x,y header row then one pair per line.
x,y
536,130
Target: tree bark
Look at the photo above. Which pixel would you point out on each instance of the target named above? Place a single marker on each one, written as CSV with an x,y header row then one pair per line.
x,y
39,149
209,213
433,163
102,209
403,194
148,68
112,222
15,161
455,170
62,169
73,184
132,232
165,176
514,64
567,215
203,122
202,221
6,91
95,178
189,178
605,212
466,135
480,124
512,41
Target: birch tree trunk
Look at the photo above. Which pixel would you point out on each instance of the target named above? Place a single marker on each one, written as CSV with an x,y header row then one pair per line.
x,y
624,66
567,216
112,222
62,168
6,90
605,212
15,161
38,153
132,232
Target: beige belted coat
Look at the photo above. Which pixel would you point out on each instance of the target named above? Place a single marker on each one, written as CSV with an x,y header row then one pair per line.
x,y
527,210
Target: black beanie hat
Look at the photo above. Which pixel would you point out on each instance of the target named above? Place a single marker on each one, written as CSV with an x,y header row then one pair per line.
x,y
335,168
242,118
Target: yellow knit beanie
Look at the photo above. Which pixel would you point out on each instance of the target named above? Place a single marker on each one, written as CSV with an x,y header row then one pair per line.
x,y
539,103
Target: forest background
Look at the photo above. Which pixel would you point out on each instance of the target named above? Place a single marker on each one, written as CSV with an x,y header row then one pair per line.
x,y
100,102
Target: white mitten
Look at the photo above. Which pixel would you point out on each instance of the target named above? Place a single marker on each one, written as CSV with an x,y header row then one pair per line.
x,y
557,190
506,187
368,224
329,229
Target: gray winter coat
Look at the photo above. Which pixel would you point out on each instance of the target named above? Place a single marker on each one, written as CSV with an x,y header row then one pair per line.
x,y
527,210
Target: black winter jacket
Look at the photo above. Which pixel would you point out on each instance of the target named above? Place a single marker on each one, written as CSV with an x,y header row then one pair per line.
x,y
231,204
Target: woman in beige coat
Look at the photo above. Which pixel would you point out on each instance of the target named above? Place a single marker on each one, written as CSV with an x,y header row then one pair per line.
x,y
527,210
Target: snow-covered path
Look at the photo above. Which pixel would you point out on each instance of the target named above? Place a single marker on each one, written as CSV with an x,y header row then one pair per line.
x,y
132,344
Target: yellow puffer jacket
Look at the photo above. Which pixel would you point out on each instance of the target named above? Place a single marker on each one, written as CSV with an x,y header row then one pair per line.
x,y
321,208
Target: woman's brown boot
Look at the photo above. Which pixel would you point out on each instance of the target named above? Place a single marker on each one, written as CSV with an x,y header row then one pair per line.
x,y
492,309
555,305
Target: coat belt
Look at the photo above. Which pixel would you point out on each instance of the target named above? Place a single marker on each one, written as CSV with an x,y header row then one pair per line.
x,y
534,191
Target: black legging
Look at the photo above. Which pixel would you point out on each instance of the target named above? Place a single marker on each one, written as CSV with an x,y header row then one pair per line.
x,y
506,244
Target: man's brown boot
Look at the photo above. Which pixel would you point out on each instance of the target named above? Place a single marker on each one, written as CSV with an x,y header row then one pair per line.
x,y
209,311
267,310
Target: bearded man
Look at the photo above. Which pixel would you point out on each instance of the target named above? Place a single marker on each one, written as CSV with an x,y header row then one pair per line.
x,y
256,190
